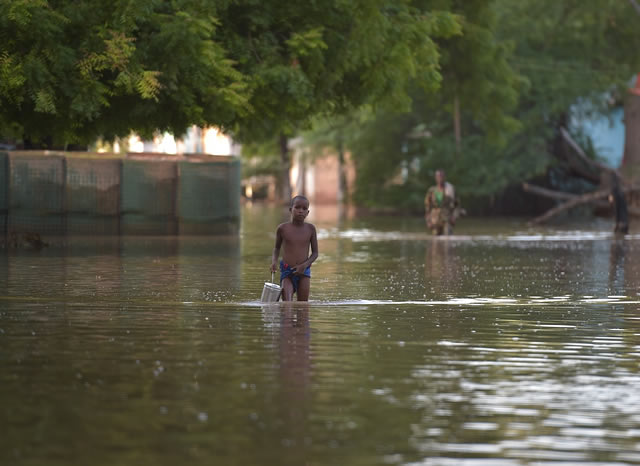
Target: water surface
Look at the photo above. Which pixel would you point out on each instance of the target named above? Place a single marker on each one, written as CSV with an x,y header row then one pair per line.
x,y
501,345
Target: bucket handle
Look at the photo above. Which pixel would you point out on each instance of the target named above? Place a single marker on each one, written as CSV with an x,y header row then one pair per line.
x,y
279,294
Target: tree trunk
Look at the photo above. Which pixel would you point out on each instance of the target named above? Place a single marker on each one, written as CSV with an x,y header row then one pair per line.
x,y
631,158
302,173
285,166
456,123
342,177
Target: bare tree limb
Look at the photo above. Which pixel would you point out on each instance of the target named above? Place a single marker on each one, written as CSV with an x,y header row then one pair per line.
x,y
560,195
582,156
576,201
553,194
635,5
530,188
592,170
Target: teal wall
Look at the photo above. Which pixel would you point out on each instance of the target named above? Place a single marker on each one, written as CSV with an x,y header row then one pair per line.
x,y
606,133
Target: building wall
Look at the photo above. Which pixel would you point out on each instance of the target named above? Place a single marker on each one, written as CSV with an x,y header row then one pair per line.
x,y
318,179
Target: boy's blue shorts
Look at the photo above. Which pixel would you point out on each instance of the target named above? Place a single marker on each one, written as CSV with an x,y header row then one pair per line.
x,y
286,271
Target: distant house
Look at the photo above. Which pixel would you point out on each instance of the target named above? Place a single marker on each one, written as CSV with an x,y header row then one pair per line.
x,y
318,177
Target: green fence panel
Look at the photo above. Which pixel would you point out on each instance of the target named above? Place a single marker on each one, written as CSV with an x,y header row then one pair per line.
x,y
93,195
36,194
235,188
54,193
4,192
207,194
148,204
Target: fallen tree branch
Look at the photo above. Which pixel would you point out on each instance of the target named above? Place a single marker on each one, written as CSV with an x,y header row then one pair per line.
x,y
570,204
540,191
609,180
580,164
553,194
582,156
560,195
573,200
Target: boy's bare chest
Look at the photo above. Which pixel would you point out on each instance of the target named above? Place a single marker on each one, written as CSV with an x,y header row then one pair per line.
x,y
297,236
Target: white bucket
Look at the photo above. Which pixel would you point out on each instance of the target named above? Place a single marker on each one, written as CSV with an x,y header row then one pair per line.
x,y
270,292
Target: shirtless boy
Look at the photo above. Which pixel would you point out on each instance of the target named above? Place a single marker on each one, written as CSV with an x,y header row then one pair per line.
x,y
296,236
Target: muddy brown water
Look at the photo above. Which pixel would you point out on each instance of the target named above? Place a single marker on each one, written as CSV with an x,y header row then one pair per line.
x,y
501,345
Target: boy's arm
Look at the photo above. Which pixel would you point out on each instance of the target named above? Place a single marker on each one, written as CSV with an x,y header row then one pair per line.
x,y
276,250
314,253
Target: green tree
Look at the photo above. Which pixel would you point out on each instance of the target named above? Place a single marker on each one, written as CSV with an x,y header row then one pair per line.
x,y
575,55
510,81
460,126
72,71
324,58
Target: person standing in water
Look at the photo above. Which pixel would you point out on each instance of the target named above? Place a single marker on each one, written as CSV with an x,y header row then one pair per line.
x,y
440,206
297,237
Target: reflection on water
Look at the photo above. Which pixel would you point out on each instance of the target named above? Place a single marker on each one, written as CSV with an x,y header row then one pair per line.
x,y
293,335
501,346
441,266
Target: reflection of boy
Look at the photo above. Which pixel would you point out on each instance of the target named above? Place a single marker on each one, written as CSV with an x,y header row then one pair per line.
x,y
296,236
440,205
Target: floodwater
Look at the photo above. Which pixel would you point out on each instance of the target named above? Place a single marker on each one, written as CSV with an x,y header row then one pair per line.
x,y
501,346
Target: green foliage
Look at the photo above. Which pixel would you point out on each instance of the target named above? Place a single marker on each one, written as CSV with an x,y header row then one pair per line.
x,y
325,57
517,69
474,70
11,76
260,158
72,71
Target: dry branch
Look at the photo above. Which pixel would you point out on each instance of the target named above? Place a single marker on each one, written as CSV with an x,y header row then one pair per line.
x,y
571,203
608,178
580,164
582,156
574,200
530,188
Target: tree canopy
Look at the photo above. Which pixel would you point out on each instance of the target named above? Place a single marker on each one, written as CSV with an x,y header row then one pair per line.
x,y
76,70
510,80
72,71
308,58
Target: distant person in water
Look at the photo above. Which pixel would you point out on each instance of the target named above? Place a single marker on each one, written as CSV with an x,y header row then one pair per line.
x,y
297,237
441,206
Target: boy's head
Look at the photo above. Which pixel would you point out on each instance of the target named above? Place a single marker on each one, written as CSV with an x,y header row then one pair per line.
x,y
299,208
296,198
440,177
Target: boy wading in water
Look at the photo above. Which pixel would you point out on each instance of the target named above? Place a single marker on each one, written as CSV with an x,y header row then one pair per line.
x,y
296,236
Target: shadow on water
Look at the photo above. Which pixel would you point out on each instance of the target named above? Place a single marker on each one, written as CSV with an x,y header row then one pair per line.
x,y
501,345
